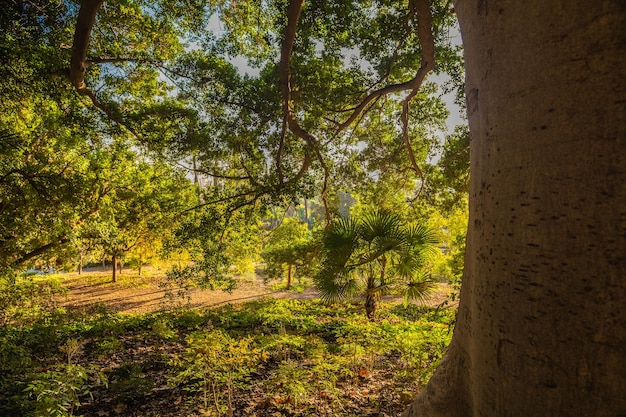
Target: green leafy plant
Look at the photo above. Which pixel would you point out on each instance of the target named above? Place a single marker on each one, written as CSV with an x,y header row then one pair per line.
x,y
129,381
374,255
213,363
162,330
421,347
25,300
288,384
290,246
57,391
107,346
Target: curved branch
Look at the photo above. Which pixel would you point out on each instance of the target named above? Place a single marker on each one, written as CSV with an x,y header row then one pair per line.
x,y
399,45
293,16
84,25
407,142
427,44
223,199
78,63
107,111
213,174
109,60
38,251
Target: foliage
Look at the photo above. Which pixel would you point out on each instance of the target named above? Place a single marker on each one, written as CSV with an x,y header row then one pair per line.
x,y
454,228
87,168
372,256
160,79
266,356
220,244
128,381
214,362
143,202
448,180
56,392
26,299
291,244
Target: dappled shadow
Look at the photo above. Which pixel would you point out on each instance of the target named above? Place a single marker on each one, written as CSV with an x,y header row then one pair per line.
x,y
88,293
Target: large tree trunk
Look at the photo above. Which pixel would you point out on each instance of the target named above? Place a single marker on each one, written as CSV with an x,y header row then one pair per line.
x,y
541,329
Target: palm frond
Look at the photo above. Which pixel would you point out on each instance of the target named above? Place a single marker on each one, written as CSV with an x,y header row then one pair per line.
x,y
423,239
380,224
406,266
334,285
420,288
380,290
338,243
381,246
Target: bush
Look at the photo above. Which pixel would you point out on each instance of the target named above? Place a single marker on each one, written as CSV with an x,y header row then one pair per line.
x,y
214,363
25,300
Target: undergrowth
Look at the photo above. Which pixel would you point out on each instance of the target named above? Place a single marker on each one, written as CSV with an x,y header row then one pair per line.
x,y
262,358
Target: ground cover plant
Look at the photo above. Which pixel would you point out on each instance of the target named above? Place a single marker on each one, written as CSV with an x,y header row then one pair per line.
x,y
262,358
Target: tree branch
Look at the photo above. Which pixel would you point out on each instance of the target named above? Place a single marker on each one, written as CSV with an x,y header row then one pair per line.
x,y
221,200
427,44
84,25
36,252
293,16
213,174
78,64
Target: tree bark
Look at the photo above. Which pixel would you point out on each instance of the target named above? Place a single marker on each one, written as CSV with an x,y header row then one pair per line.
x,y
370,299
38,251
289,276
82,34
370,306
541,328
114,262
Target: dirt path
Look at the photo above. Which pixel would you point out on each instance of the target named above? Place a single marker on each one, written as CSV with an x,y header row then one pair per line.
x,y
133,294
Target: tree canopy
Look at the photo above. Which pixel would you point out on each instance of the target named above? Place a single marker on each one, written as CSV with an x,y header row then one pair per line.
x,y
263,103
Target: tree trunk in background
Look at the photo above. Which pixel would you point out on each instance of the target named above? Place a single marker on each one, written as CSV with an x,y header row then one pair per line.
x,y
541,329
114,262
289,276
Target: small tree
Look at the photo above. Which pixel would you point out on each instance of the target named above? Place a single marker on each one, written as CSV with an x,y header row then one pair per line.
x,y
290,245
373,255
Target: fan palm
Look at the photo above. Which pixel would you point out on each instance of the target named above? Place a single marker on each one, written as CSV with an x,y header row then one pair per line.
x,y
371,256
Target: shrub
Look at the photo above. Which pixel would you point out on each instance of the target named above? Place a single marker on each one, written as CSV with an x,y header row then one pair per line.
x,y
24,300
214,362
